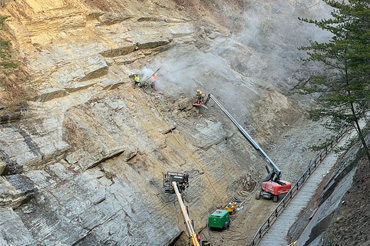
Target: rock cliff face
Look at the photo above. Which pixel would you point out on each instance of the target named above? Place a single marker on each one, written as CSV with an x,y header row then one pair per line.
x,y
82,164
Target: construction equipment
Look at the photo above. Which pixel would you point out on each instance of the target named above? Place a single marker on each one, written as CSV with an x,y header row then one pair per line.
x,y
219,219
202,101
146,82
181,180
271,186
231,207
175,182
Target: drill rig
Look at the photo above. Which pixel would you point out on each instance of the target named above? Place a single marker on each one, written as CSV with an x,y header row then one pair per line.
x,y
176,182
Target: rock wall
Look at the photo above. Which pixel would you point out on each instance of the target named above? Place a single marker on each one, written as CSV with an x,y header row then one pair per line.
x,y
83,163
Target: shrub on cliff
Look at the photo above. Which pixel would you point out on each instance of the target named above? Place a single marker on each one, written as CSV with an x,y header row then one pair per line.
x,y
13,90
5,64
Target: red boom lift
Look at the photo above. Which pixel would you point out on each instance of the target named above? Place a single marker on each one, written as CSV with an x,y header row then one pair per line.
x,y
271,186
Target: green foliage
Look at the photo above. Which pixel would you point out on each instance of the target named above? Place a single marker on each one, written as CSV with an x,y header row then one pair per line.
x,y
344,82
323,145
5,64
3,19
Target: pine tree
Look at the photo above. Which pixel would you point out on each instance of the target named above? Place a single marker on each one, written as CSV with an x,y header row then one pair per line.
x,y
345,82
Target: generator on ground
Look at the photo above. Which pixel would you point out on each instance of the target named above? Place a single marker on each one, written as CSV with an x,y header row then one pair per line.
x,y
219,219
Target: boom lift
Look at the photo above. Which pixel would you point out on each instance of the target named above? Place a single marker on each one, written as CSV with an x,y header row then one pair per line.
x,y
271,186
175,182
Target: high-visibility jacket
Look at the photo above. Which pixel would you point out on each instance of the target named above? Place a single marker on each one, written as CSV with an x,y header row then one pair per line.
x,y
137,79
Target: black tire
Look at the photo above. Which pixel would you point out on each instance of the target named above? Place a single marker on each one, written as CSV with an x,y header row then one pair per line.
x,y
258,195
275,198
227,225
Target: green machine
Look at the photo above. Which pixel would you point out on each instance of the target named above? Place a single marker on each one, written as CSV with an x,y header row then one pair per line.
x,y
219,219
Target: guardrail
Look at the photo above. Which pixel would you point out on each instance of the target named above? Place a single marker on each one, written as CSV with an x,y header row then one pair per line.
x,y
263,229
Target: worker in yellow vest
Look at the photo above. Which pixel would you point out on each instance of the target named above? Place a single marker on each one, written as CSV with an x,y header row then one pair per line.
x,y
137,78
199,96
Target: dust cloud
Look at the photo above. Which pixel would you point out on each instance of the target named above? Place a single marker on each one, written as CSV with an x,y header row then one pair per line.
x,y
263,56
185,69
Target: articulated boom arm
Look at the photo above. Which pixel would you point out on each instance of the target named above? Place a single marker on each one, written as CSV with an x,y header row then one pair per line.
x,y
189,226
275,173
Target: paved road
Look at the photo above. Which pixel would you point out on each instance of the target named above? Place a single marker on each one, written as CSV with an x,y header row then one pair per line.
x,y
277,234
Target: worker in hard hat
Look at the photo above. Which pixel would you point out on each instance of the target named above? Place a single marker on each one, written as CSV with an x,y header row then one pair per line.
x,y
199,96
154,79
137,78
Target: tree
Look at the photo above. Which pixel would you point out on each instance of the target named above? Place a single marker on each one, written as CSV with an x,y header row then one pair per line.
x,y
344,84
